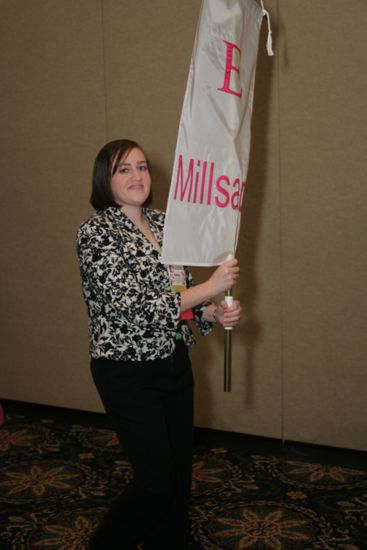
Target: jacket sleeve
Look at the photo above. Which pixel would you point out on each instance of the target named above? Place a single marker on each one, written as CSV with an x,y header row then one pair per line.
x,y
204,326
108,280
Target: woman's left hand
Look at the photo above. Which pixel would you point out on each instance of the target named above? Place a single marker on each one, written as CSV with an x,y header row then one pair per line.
x,y
228,316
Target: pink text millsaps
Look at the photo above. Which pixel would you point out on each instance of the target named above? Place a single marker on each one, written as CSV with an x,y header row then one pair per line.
x,y
197,182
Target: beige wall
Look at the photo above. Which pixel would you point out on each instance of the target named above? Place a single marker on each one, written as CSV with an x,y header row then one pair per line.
x,y
78,72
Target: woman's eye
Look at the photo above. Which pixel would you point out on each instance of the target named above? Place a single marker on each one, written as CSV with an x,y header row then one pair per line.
x,y
123,170
143,167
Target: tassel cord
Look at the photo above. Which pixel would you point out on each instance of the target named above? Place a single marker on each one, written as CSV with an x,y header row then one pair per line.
x,y
269,42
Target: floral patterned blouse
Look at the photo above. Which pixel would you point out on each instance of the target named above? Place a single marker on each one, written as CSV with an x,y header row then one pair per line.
x,y
133,314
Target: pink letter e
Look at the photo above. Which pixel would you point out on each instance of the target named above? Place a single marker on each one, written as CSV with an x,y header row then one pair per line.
x,y
229,68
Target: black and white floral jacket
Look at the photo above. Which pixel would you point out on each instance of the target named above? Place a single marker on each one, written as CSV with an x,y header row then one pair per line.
x,y
133,315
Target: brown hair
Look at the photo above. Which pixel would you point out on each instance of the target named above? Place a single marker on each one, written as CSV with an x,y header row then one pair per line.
x,y
105,166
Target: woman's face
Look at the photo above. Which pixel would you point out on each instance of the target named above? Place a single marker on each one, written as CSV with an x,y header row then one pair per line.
x,y
130,184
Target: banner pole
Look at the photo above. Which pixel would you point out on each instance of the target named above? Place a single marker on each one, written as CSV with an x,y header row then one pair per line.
x,y
228,348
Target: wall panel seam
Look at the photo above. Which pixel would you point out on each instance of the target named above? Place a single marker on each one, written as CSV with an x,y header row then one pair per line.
x,y
103,44
280,213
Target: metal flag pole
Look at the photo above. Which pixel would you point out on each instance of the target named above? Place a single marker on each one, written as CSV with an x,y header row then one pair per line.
x,y
228,348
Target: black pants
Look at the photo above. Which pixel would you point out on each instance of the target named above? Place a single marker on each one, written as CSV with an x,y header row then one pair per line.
x,y
150,406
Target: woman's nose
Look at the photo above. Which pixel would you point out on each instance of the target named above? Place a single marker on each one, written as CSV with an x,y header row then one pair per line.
x,y
136,174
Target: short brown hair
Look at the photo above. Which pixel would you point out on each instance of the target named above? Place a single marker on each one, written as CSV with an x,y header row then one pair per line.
x,y
105,166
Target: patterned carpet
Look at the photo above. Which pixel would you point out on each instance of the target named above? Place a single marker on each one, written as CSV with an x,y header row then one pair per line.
x,y
57,478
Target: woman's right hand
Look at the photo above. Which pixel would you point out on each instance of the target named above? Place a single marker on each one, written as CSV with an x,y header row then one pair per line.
x,y
224,277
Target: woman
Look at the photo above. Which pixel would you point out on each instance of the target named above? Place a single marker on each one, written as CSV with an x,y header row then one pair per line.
x,y
138,344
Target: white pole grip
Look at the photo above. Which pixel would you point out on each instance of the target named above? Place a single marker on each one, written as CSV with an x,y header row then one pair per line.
x,y
229,302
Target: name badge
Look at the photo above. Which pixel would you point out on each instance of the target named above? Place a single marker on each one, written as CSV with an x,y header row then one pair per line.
x,y
177,277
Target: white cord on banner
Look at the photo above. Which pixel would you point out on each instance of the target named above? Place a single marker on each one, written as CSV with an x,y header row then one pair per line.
x,y
269,42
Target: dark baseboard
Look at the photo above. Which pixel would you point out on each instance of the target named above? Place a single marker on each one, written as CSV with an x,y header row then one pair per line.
x,y
251,444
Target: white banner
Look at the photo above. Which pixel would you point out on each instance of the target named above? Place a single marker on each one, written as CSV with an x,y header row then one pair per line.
x,y
213,145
